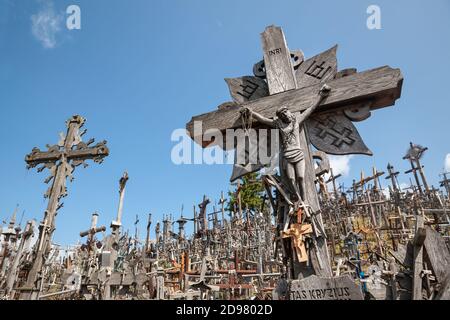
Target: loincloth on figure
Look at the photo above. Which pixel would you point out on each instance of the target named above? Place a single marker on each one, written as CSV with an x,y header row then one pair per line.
x,y
292,156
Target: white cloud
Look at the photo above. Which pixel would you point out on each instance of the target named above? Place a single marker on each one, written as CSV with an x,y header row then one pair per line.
x,y
447,162
340,164
46,24
386,192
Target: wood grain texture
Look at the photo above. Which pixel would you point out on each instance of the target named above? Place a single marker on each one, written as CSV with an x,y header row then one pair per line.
x,y
318,69
325,288
277,61
278,65
437,253
335,134
247,88
418,259
444,291
381,86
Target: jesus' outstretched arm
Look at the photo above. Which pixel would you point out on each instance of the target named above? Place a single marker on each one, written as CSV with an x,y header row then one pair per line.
x,y
324,92
260,118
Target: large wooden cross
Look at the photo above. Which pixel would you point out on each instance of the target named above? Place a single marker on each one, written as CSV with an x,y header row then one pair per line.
x,y
61,160
284,78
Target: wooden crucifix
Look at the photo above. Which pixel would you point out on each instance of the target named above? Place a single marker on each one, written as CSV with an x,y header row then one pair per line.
x,y
92,231
413,155
61,160
286,83
91,243
393,176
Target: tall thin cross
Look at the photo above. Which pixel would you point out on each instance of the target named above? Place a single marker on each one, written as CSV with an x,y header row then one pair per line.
x,y
222,208
136,232
147,238
203,216
195,220
420,167
413,170
167,228
116,224
445,182
181,233
112,244
157,238
61,160
393,176
285,79
413,155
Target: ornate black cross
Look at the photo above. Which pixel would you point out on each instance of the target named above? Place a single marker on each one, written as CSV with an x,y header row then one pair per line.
x,y
61,160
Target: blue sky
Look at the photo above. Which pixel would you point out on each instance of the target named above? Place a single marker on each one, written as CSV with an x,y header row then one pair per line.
x,y
138,69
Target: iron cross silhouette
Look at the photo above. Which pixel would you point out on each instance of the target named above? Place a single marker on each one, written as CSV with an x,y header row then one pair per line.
x,y
61,160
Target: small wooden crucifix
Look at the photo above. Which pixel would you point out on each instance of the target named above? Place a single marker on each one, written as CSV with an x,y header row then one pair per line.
x,y
91,232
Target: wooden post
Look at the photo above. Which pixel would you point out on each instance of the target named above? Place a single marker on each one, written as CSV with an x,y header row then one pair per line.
x,y
393,176
147,238
393,281
160,285
445,183
413,170
222,209
92,231
238,191
13,271
115,225
195,221
281,78
418,242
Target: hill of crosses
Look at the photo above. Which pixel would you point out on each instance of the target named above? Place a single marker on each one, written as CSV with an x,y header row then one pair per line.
x,y
291,233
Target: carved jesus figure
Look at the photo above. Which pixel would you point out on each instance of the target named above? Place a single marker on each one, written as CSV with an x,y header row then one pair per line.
x,y
291,155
